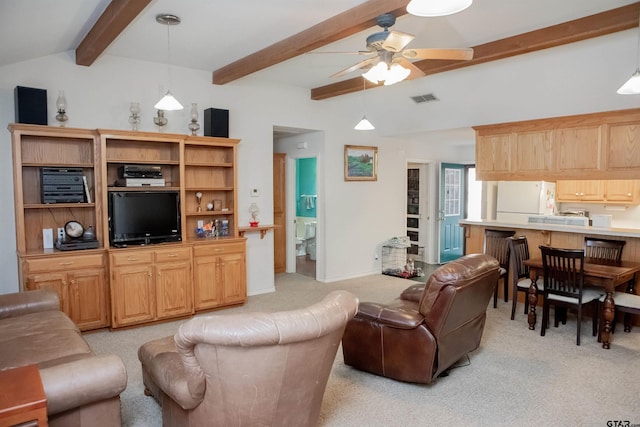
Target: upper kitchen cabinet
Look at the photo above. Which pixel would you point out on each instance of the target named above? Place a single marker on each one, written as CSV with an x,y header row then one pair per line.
x,y
589,146
578,149
494,153
623,153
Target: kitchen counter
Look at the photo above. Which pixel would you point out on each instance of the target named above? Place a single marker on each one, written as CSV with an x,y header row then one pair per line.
x,y
598,231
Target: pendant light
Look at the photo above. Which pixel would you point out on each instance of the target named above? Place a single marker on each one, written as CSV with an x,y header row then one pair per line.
x,y
432,8
168,101
632,86
364,123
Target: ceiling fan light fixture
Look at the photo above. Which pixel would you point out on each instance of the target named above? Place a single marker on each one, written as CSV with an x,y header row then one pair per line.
x,y
382,72
397,73
364,124
168,103
432,8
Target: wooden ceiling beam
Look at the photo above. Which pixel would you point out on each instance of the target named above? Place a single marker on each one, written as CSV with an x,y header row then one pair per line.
x,y
115,18
352,21
600,24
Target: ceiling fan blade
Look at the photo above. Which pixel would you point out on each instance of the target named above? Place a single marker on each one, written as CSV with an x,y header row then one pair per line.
x,y
396,41
359,65
415,71
355,52
460,54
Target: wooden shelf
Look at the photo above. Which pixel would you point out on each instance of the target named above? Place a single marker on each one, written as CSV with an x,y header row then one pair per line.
x,y
261,228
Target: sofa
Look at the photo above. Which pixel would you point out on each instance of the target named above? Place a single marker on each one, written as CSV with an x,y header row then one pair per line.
x,y
428,328
82,389
247,369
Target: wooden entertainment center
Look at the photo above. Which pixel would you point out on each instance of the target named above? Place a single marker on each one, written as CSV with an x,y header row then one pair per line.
x,y
116,287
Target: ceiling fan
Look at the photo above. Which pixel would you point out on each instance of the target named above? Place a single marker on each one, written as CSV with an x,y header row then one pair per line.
x,y
391,61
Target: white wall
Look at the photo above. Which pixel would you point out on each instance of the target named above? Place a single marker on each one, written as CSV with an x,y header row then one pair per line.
x,y
360,216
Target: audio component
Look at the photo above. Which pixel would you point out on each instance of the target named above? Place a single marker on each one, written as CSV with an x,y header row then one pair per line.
x,y
216,122
140,171
31,105
62,185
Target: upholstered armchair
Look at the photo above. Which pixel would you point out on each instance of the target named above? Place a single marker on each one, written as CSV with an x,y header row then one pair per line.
x,y
247,369
428,328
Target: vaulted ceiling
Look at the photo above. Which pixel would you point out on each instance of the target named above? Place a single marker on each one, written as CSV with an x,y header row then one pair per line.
x,y
270,41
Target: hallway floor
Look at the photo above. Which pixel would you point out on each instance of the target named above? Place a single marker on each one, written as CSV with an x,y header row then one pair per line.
x,y
305,266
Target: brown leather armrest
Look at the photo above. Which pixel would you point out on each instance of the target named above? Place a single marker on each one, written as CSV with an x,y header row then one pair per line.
x,y
399,316
20,303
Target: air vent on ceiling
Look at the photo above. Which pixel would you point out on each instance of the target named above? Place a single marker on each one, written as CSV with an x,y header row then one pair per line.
x,y
424,98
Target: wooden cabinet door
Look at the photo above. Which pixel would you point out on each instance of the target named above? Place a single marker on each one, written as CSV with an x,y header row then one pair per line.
x,y
493,155
132,295
579,149
173,289
532,152
279,214
567,191
87,299
621,190
233,277
56,282
623,147
592,190
580,191
206,286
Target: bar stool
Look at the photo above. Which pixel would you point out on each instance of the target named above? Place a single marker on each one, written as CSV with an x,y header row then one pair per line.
x,y
497,246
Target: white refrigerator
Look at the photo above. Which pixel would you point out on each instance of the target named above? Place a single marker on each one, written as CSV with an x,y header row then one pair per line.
x,y
517,200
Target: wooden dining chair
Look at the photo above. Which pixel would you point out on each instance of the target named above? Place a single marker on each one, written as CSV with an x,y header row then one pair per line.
x,y
497,246
518,254
563,286
603,249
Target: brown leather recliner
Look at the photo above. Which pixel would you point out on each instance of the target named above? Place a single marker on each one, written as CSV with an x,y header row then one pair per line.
x,y
248,369
428,328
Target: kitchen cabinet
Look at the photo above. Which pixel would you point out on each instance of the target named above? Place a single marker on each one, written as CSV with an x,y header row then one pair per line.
x,y
493,154
151,284
532,152
622,190
579,149
219,275
79,281
580,191
624,146
582,147
598,191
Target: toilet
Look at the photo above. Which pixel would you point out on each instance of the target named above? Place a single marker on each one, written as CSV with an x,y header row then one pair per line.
x,y
306,239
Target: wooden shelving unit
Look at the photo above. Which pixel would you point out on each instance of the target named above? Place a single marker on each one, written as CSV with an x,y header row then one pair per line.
x,y
118,287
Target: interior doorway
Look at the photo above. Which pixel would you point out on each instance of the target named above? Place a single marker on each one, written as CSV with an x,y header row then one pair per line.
x,y
303,180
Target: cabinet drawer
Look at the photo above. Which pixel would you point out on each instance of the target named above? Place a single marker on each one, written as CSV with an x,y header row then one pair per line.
x,y
64,263
219,249
131,258
176,254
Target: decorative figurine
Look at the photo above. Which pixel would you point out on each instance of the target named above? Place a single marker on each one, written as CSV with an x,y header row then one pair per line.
x,y
199,200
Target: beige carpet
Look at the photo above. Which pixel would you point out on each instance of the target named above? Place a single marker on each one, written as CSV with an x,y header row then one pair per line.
x,y
515,378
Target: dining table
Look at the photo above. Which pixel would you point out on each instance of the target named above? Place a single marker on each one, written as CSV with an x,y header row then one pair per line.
x,y
605,274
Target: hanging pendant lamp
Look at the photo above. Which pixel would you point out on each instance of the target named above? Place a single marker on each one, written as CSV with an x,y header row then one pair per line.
x,y
632,86
364,123
168,101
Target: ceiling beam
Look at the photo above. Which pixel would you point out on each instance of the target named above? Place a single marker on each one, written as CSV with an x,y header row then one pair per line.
x,y
600,24
352,21
115,18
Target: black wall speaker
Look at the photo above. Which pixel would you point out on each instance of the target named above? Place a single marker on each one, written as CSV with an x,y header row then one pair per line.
x,y
216,122
31,105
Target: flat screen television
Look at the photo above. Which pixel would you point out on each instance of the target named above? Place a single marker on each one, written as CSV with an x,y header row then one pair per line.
x,y
143,217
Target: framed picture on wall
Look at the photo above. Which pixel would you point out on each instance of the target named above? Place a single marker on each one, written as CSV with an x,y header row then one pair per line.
x,y
360,163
